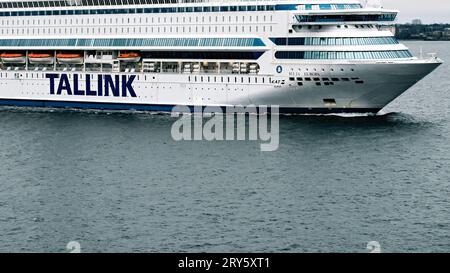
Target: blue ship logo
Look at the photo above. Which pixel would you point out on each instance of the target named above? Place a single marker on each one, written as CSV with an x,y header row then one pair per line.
x,y
107,85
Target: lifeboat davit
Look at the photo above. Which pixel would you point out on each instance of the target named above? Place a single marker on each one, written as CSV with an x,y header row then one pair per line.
x,y
13,58
131,57
69,58
40,58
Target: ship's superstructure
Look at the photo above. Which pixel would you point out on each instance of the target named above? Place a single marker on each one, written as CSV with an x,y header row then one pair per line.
x,y
302,55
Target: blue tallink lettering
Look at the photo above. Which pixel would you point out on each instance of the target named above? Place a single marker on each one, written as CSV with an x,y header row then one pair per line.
x,y
89,92
52,78
76,88
99,86
127,85
107,85
64,85
111,85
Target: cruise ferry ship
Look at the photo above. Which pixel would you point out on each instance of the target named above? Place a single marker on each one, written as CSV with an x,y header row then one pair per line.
x,y
305,56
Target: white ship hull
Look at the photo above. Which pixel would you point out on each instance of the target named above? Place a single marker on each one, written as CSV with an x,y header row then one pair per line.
x,y
370,88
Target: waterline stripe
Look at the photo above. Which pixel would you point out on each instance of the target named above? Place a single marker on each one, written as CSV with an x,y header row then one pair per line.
x,y
162,107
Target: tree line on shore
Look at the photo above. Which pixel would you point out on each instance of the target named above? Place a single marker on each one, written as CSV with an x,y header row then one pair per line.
x,y
432,32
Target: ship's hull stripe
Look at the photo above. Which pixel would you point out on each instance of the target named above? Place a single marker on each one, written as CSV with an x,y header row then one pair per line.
x,y
162,108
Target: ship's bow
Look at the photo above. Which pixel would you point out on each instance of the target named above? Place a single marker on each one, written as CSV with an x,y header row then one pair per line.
x,y
387,81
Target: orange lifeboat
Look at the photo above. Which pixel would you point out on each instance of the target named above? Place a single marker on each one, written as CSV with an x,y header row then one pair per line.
x,y
131,57
69,58
40,58
13,58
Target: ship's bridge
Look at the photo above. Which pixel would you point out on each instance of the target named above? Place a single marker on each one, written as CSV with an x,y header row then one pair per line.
x,y
357,16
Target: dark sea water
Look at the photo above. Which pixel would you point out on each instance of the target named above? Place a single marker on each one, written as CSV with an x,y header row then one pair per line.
x,y
118,182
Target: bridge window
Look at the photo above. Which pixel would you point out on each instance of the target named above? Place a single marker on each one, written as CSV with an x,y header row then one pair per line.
x,y
346,18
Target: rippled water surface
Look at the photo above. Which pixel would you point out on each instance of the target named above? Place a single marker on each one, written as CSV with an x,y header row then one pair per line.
x,y
118,182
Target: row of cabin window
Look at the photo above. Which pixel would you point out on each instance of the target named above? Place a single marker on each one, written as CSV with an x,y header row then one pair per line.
x,y
342,55
115,30
150,10
180,10
131,42
225,79
71,3
141,20
201,79
41,4
334,41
